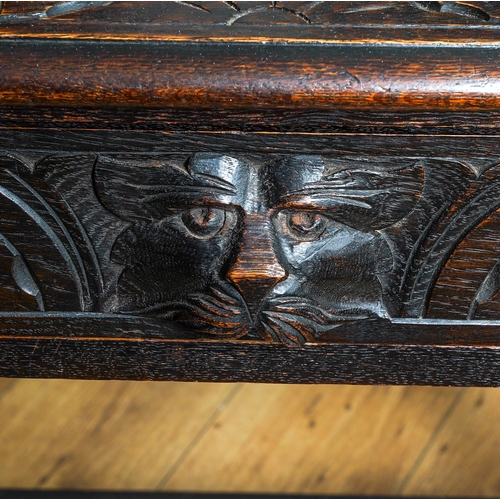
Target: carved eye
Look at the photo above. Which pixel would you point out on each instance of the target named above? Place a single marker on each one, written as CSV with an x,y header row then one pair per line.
x,y
304,226
204,222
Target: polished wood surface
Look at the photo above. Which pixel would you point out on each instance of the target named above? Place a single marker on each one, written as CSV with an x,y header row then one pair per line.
x,y
170,436
206,76
290,192
394,57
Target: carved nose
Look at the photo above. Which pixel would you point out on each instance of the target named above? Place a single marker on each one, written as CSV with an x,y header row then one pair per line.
x,y
256,269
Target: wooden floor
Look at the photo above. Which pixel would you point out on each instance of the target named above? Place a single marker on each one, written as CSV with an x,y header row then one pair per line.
x,y
339,440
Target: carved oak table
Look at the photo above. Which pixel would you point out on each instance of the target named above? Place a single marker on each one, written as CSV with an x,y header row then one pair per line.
x,y
251,191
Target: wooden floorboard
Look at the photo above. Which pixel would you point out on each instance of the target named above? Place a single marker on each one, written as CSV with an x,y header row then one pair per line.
x,y
315,439
296,439
464,459
100,435
6,384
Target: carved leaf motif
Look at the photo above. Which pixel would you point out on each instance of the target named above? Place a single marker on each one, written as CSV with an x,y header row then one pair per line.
x,y
487,290
62,8
48,258
475,208
26,280
23,274
55,10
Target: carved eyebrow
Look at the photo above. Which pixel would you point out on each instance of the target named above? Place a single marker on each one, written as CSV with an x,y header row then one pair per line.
x,y
203,181
217,182
338,192
346,196
165,190
341,199
186,191
332,189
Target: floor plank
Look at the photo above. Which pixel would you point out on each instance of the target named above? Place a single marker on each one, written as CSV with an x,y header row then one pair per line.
x,y
463,460
100,434
6,385
314,439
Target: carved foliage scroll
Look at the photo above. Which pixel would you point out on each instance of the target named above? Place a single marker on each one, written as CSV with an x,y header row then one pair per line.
x,y
229,13
276,248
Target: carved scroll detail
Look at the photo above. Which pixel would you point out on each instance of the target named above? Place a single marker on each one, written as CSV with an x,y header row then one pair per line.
x,y
229,13
277,248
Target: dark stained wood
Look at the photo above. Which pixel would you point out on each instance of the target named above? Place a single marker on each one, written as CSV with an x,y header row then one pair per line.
x,y
284,191
236,76
264,14
251,120
243,21
42,142
432,362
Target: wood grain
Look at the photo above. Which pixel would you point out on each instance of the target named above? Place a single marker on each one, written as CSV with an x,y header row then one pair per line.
x,y
378,146
255,22
323,440
315,440
366,353
462,460
6,385
236,76
99,435
401,99
248,120
206,437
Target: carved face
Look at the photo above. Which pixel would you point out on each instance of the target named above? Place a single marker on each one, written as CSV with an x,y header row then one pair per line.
x,y
230,247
